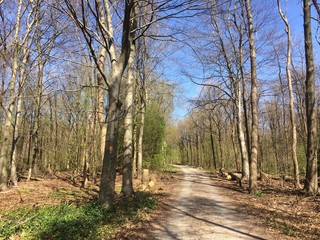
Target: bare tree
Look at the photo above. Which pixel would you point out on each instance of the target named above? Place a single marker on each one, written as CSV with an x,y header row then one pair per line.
x,y
292,113
18,45
253,186
100,10
311,183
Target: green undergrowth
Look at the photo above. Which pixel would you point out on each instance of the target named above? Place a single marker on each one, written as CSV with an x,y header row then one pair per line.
x,y
68,221
169,168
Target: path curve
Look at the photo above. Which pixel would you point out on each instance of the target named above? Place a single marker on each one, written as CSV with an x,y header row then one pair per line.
x,y
200,210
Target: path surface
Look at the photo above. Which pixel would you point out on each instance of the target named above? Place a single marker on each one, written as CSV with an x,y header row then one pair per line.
x,y
200,210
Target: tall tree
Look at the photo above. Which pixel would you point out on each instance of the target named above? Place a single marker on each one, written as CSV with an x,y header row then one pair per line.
x,y
292,113
20,41
127,186
101,11
253,186
234,74
311,183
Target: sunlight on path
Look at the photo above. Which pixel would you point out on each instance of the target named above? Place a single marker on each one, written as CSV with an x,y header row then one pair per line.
x,y
200,211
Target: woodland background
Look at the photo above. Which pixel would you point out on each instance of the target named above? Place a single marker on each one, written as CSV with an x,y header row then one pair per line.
x,y
83,90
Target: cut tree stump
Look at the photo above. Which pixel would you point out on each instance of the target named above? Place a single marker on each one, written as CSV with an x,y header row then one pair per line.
x,y
145,176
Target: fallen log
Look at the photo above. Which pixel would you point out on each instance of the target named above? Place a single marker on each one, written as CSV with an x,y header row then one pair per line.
x,y
266,177
223,173
236,177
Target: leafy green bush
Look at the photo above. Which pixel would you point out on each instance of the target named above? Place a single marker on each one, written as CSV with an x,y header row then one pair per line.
x,y
155,163
154,131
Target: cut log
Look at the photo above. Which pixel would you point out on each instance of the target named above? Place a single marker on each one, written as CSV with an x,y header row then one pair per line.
x,y
151,184
236,177
223,173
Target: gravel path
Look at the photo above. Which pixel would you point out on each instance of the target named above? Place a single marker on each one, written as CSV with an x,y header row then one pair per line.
x,y
200,210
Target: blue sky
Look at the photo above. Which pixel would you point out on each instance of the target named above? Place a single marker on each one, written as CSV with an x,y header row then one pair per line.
x,y
187,90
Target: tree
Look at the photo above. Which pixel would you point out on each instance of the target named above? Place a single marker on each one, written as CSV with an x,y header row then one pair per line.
x,y
100,10
6,151
235,76
292,113
127,186
254,102
311,183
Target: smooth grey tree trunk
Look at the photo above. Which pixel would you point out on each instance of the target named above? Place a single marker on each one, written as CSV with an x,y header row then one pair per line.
x,y
253,185
108,174
101,98
243,147
17,124
127,186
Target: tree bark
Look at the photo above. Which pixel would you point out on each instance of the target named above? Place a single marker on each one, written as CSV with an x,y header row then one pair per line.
x,y
135,127
108,175
17,124
243,147
127,186
253,185
100,98
311,183
141,131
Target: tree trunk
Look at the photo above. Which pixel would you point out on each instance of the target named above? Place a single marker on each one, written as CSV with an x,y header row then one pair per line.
x,y
135,127
108,175
127,186
235,149
214,161
16,137
242,142
220,146
37,119
100,99
85,169
253,185
87,149
197,148
13,165
118,65
141,131
292,113
7,129
311,183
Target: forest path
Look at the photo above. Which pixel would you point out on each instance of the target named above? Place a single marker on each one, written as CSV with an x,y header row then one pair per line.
x,y
200,209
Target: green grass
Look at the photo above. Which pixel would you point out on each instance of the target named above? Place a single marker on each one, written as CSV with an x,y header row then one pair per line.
x,y
67,221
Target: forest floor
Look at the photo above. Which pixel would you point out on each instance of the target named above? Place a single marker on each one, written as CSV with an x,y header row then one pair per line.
x,y
192,204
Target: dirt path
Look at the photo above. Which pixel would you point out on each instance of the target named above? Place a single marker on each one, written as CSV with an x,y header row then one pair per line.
x,y
199,209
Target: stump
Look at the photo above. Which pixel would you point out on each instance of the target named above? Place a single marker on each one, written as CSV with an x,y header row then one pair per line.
x,y
145,176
